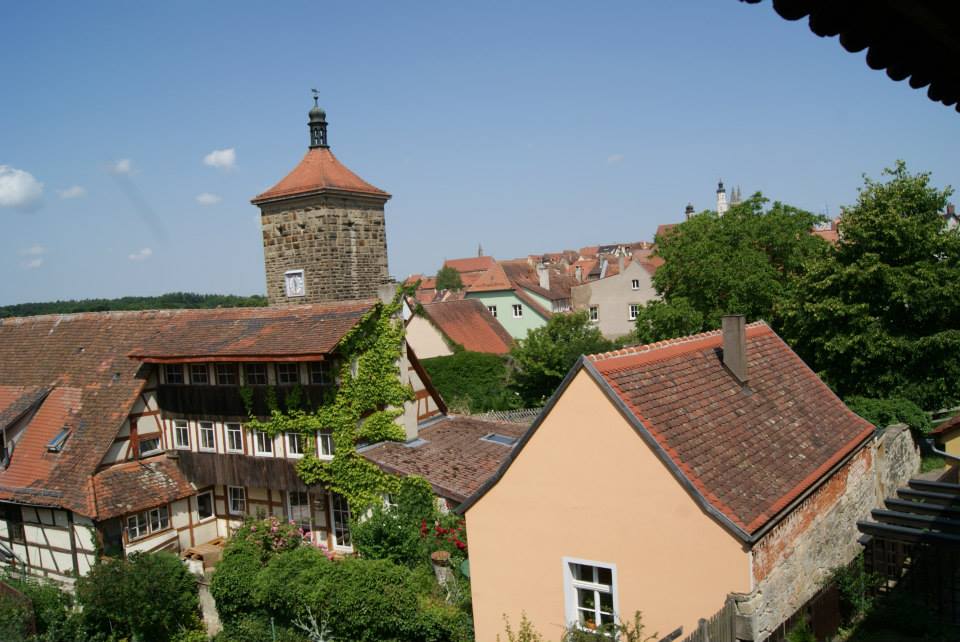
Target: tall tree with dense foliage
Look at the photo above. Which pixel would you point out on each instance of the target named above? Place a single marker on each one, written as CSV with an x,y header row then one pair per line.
x,y
543,358
741,262
449,279
879,316
658,320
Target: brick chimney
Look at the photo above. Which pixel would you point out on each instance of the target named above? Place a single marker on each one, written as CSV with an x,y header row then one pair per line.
x,y
543,274
735,345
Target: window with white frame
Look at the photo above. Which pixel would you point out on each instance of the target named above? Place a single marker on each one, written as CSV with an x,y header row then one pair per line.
x,y
159,519
325,444
234,438
517,310
227,374
634,311
255,374
298,508
294,283
320,373
635,284
199,374
493,310
594,312
236,500
137,526
147,522
340,511
590,593
205,505
208,440
296,444
181,434
173,373
262,443
150,446
288,374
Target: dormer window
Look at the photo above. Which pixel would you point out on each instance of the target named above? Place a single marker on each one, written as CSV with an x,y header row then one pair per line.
x,y
294,283
150,446
199,375
173,372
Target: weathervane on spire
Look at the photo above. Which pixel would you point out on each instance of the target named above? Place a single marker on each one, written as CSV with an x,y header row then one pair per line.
x,y
318,123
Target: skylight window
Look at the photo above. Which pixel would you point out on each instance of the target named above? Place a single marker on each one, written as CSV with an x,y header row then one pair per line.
x,y
497,438
57,443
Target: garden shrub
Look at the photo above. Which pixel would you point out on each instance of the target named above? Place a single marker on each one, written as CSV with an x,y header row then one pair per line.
x,y
472,382
394,533
268,536
251,628
233,581
526,632
624,630
113,593
801,632
894,410
293,581
14,618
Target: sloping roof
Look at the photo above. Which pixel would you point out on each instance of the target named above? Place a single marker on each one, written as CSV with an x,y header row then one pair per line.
x,y
471,264
493,279
232,334
908,39
664,229
532,303
452,457
16,401
137,485
469,323
947,426
745,452
319,171
521,274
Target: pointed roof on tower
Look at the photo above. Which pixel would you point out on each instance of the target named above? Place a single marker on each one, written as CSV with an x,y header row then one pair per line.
x,y
319,171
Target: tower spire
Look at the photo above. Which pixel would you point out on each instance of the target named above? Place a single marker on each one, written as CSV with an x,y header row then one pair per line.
x,y
318,123
721,198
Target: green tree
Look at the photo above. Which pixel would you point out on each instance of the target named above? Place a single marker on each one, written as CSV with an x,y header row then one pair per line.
x,y
449,279
394,533
740,263
658,320
472,381
545,356
886,412
879,315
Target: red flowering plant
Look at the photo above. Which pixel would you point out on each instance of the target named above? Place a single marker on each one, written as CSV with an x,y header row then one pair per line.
x,y
448,533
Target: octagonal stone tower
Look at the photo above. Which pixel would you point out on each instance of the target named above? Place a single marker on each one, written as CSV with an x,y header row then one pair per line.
x,y
323,229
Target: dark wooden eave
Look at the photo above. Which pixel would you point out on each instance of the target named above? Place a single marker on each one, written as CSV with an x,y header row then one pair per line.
x,y
915,39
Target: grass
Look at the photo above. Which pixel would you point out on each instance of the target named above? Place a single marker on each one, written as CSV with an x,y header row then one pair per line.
x,y
931,462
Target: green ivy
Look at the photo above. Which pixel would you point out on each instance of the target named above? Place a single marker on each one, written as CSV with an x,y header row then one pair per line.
x,y
363,408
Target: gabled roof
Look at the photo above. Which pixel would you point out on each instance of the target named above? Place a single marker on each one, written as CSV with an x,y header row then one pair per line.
x,y
469,323
232,334
471,264
449,454
134,486
493,279
744,452
319,171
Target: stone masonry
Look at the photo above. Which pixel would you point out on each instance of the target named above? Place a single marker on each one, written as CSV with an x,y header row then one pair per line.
x,y
338,240
792,562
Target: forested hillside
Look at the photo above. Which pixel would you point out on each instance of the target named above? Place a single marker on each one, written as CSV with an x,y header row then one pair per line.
x,y
170,300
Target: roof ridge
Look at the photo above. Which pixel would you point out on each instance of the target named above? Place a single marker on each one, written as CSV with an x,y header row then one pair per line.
x,y
665,343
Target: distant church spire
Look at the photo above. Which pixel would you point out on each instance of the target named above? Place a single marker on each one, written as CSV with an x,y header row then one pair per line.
x,y
721,198
479,249
688,211
318,123
735,196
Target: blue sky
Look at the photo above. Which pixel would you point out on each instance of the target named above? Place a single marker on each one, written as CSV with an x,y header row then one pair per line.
x,y
526,127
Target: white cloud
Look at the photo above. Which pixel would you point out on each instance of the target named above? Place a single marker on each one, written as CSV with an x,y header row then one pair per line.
x,y
18,188
613,159
141,255
122,166
33,263
72,192
208,199
222,158
33,250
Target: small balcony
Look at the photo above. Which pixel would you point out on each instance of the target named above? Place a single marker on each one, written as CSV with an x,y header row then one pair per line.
x,y
226,400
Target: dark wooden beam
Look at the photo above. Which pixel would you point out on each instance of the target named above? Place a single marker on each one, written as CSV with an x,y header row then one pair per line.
x,y
904,534
912,520
919,508
946,499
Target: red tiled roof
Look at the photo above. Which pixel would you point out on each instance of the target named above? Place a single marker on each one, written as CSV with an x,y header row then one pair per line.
x,y
15,401
748,450
523,275
137,485
492,280
471,264
454,459
271,333
469,323
664,229
947,426
319,171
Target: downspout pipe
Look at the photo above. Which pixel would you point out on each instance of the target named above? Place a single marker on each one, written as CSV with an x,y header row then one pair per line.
x,y
930,445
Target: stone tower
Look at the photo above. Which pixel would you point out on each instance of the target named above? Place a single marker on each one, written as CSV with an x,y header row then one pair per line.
x,y
323,229
721,199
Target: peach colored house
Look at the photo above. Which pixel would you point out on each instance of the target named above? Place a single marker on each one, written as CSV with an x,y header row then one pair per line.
x,y
668,478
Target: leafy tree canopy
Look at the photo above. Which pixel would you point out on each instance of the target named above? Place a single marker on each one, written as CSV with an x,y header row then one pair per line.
x,y
879,315
738,263
543,358
658,320
472,382
449,279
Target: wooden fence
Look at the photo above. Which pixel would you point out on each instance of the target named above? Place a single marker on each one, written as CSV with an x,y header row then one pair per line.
x,y
721,627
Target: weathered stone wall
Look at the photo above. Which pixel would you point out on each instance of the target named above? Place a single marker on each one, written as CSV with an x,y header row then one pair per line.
x,y
793,561
339,242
